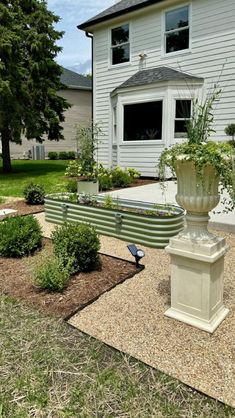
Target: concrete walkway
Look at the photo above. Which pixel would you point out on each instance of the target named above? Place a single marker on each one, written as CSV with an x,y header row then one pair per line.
x,y
153,193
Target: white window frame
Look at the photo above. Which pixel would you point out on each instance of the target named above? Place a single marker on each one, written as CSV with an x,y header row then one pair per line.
x,y
121,64
164,32
181,119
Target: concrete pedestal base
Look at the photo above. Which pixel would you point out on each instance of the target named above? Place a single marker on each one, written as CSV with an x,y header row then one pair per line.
x,y
197,282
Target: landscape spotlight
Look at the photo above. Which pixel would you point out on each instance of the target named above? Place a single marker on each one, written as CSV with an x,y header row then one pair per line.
x,y
136,252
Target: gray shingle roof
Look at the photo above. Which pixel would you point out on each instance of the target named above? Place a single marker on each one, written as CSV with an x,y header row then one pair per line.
x,y
75,80
118,9
154,75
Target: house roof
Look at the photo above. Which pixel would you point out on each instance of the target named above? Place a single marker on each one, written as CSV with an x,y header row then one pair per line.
x,y
118,9
75,81
154,75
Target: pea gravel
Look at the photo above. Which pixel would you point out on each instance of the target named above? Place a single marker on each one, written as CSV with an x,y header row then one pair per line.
x,y
131,318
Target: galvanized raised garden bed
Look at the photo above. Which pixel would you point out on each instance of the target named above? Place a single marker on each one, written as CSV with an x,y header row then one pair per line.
x,y
152,231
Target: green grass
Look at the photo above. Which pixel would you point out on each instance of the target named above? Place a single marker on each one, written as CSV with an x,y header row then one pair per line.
x,y
48,369
48,173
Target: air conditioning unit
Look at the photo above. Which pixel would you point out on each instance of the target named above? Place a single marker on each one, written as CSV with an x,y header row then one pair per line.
x,y
38,152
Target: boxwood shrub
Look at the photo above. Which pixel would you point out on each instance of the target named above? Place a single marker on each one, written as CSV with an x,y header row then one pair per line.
x,y
78,242
34,194
19,236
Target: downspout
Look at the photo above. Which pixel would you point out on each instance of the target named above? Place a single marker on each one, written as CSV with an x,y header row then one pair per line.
x,y
90,35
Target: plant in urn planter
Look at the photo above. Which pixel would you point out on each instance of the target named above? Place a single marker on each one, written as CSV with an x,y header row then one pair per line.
x,y
85,168
197,256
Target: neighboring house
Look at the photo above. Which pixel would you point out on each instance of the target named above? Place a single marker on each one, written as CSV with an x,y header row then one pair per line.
x,y
79,95
150,59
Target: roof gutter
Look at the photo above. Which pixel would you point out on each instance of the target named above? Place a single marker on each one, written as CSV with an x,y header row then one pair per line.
x,y
90,35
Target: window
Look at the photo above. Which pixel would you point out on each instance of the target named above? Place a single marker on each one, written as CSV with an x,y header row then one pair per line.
x,y
120,45
143,121
182,114
177,29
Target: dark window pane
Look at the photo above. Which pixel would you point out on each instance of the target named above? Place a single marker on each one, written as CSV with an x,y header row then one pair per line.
x,y
120,54
177,18
177,40
143,121
180,129
183,109
120,35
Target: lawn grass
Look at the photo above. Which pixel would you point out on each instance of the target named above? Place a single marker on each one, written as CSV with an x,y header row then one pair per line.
x,y
48,173
48,369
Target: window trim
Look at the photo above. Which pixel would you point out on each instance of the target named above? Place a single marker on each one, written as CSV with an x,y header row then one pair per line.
x,y
110,46
181,119
189,27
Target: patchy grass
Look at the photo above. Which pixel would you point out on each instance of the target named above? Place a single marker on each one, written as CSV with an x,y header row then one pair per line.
x,y
48,173
49,369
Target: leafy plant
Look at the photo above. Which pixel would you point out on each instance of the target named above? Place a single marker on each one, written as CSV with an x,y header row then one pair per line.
x,y
71,186
52,274
201,151
121,178
108,202
52,155
19,236
79,242
34,194
105,178
230,131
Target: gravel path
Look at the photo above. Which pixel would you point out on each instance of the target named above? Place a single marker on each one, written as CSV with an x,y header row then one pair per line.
x,y
131,319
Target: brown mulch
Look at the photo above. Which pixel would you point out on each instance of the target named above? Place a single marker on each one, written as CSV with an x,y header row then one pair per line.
x,y
22,208
83,288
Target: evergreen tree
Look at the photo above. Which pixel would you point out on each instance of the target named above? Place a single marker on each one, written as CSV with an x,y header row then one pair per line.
x,y
29,75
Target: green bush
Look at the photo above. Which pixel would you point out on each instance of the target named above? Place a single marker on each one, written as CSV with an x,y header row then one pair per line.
x,y
72,186
79,242
52,155
105,178
71,155
121,178
63,155
51,274
19,236
34,194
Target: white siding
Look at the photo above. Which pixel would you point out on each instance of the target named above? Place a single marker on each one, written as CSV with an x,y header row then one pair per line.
x,y
212,56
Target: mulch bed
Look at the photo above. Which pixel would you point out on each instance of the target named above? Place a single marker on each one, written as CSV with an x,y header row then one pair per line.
x,y
83,288
22,208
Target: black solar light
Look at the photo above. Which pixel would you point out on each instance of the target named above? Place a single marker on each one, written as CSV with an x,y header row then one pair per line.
x,y
136,252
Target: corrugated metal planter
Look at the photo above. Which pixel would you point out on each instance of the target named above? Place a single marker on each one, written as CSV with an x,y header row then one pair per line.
x,y
152,231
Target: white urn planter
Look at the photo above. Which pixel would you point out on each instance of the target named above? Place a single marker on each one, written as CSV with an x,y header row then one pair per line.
x,y
197,256
88,186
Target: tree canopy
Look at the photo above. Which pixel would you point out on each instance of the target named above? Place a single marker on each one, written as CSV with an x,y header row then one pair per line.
x,y
29,74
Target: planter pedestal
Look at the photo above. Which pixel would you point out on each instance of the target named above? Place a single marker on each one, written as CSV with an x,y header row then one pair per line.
x,y
197,257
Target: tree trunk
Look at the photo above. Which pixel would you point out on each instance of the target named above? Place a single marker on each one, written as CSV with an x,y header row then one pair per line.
x,y
6,158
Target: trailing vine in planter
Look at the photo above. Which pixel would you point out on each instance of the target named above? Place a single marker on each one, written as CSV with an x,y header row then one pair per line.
x,y
203,152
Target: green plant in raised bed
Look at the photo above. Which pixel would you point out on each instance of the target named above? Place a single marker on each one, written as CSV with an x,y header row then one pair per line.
x,y
79,242
19,236
108,202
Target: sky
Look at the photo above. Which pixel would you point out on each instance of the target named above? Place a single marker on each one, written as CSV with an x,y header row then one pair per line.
x,y
76,53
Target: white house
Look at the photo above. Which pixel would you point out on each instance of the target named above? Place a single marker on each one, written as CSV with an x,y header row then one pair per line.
x,y
150,59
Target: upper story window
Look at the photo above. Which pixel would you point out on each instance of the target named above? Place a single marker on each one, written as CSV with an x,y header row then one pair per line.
x,y
177,29
182,115
120,44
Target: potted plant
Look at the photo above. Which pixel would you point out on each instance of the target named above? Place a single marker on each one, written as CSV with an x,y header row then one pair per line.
x,y
201,165
197,256
85,167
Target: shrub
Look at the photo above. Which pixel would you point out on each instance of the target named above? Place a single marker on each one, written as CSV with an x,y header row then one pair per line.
x,y
63,155
52,155
121,178
77,241
105,178
71,155
52,274
34,194
72,186
230,130
19,236
133,173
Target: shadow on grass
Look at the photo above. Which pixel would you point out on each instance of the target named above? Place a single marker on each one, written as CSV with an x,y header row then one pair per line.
x,y
35,168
